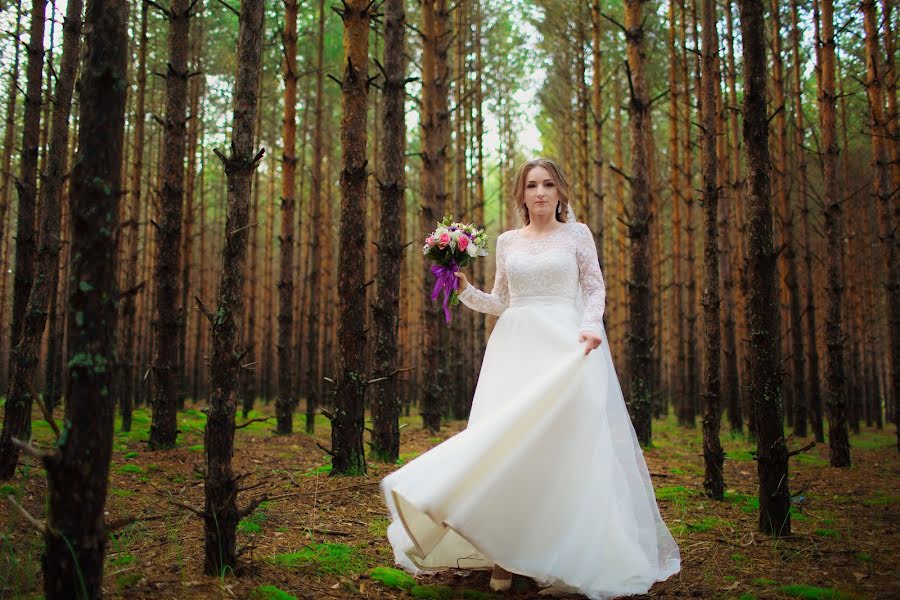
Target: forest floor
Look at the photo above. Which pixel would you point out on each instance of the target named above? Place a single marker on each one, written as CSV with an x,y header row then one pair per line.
x,y
326,539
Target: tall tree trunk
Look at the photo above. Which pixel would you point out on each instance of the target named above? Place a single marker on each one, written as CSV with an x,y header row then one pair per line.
x,y
435,141
17,412
813,395
834,370
313,396
348,456
786,219
77,472
187,235
127,342
762,313
713,456
640,337
744,403
163,429
386,401
221,514
17,422
6,175
284,403
597,208
885,194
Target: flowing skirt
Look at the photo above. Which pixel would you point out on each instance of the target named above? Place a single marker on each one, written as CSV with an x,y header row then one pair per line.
x,y
548,480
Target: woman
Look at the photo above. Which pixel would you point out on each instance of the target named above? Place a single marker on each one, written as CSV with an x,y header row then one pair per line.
x,y
547,480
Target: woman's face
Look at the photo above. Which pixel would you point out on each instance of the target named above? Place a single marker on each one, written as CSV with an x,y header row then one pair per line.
x,y
541,193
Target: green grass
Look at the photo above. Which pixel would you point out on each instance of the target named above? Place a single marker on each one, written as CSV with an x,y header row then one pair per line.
x,y
405,457
743,455
120,493
320,470
433,592
675,492
130,455
270,592
881,498
196,448
122,560
334,559
812,460
378,527
254,522
129,468
873,441
827,533
392,578
809,592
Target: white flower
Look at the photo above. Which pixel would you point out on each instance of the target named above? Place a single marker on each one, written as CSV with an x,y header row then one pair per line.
x,y
472,250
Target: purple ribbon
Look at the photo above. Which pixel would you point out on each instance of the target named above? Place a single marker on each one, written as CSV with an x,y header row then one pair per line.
x,y
445,282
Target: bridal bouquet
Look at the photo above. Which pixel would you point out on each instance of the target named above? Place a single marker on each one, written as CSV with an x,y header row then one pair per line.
x,y
452,245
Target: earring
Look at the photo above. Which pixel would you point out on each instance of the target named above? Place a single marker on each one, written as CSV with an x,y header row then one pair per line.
x,y
559,208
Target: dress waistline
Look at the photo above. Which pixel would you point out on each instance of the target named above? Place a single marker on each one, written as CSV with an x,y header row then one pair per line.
x,y
541,301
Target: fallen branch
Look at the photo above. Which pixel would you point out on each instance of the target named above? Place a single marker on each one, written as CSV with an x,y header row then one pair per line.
x,y
809,446
41,527
256,420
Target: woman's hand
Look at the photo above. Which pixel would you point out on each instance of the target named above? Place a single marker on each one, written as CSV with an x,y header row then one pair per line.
x,y
592,340
463,282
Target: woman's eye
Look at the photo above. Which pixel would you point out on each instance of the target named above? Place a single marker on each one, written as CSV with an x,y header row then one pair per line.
x,y
549,184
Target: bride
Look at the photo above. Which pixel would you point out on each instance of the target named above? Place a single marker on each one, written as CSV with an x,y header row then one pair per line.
x,y
547,480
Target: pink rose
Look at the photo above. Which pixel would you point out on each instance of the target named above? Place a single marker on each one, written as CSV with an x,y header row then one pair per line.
x,y
462,243
444,240
430,241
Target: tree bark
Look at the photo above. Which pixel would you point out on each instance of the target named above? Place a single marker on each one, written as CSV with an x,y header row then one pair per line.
x,y
885,194
762,313
313,396
127,344
77,472
435,121
639,284
599,224
17,412
284,403
713,456
838,441
6,174
221,514
386,400
163,429
348,456
813,395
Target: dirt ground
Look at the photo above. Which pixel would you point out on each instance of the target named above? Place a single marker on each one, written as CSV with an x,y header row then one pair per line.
x,y
325,536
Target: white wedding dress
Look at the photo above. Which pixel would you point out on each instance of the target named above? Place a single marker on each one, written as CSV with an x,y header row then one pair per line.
x,y
548,479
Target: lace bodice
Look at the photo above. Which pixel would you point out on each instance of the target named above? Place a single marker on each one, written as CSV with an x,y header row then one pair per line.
x,y
554,265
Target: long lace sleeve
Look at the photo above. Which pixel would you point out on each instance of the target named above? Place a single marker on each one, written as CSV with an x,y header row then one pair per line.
x,y
591,280
498,300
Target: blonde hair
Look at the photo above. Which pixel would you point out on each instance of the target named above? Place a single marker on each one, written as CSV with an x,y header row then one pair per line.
x,y
558,178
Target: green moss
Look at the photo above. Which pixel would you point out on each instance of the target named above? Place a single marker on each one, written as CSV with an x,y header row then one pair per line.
x,y
392,578
827,533
809,592
320,470
378,527
432,592
196,448
131,455
129,468
270,592
738,558
254,522
676,492
121,560
120,493
730,578
676,471
811,459
743,455
881,498
747,596
706,524
127,580
863,556
764,582
872,441
335,559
